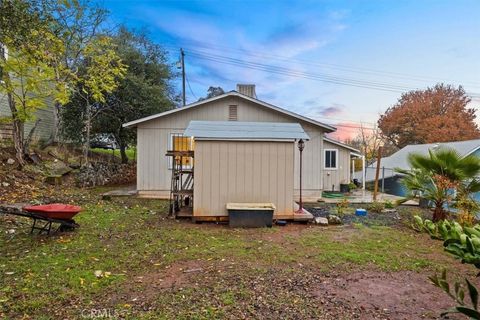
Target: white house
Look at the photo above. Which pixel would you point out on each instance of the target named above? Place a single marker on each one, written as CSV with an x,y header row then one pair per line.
x,y
326,162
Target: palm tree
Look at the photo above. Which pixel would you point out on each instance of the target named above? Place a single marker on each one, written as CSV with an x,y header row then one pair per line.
x,y
440,176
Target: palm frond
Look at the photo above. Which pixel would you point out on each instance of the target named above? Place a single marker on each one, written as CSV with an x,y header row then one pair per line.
x,y
450,166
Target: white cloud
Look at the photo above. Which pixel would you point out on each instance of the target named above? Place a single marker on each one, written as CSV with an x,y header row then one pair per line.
x,y
283,47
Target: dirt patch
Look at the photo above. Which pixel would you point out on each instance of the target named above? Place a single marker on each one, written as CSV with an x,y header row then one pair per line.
x,y
399,295
142,289
176,275
276,234
280,234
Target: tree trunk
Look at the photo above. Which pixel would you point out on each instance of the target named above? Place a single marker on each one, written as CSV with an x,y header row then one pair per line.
x,y
17,131
123,152
56,122
26,144
439,213
122,145
88,126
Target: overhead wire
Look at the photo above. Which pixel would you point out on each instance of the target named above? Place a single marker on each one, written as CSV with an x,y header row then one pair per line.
x,y
324,77
191,91
329,78
301,74
198,45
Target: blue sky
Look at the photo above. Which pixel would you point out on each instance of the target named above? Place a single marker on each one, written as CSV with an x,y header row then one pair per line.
x,y
340,62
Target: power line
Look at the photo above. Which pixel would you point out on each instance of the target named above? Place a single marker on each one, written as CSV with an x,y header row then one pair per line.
x,y
322,77
222,48
305,75
353,127
399,88
327,118
329,76
301,74
189,87
346,120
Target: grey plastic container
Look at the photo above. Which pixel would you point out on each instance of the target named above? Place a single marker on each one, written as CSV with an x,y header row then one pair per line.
x,y
250,215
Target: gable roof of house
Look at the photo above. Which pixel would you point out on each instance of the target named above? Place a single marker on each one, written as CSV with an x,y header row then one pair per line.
x,y
329,128
341,144
400,158
232,130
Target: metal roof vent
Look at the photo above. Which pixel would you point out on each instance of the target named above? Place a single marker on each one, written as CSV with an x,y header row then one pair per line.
x,y
247,89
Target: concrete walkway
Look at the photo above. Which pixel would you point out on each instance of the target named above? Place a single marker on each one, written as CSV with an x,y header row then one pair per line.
x,y
121,192
365,196
356,196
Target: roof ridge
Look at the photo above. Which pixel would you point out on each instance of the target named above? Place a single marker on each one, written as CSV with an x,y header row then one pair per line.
x,y
235,93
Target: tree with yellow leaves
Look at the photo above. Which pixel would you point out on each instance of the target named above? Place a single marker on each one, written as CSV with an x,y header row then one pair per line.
x,y
27,75
43,57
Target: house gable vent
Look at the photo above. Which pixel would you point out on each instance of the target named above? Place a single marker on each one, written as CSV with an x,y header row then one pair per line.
x,y
232,112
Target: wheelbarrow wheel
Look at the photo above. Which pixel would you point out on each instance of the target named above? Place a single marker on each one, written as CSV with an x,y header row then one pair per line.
x,y
68,227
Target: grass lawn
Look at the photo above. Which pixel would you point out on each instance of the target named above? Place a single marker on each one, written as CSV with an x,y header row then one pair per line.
x,y
128,260
131,153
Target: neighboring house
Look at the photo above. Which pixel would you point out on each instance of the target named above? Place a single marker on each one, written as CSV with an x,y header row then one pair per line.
x,y
326,162
390,179
44,130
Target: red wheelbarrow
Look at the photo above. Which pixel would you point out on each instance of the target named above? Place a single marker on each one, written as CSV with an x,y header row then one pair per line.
x,y
58,213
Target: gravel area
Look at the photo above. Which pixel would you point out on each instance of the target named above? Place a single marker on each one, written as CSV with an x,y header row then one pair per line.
x,y
395,217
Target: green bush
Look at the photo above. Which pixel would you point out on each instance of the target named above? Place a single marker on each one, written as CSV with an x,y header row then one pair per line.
x,y
458,294
467,208
464,244
389,204
342,206
376,207
442,230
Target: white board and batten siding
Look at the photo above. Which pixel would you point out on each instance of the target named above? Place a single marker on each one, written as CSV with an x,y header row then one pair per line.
x,y
243,171
332,178
153,175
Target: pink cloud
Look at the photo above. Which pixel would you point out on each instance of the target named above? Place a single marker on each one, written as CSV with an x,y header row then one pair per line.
x,y
345,131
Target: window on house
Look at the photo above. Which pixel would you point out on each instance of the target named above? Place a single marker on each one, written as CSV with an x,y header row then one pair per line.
x,y
232,113
331,158
179,142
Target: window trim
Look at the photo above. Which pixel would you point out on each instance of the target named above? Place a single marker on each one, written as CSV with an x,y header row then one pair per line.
x,y
325,159
170,146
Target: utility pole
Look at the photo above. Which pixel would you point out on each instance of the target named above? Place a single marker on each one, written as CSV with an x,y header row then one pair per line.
x,y
182,55
377,173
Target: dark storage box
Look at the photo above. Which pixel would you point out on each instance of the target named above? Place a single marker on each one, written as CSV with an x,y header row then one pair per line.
x,y
344,188
250,215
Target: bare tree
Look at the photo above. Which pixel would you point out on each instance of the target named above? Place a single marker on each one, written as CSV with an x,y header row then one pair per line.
x,y
368,140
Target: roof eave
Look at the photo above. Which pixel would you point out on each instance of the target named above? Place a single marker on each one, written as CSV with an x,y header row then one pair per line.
x,y
342,145
162,114
246,139
328,128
